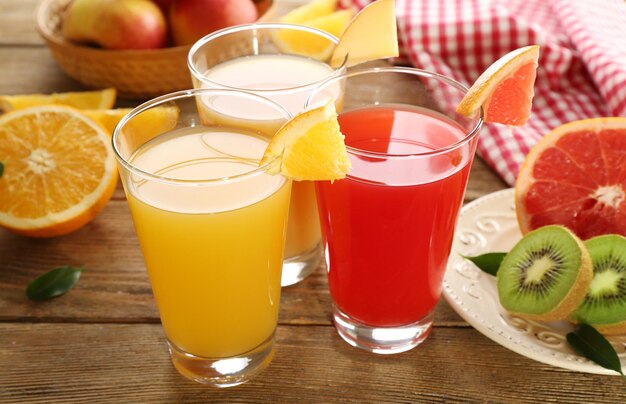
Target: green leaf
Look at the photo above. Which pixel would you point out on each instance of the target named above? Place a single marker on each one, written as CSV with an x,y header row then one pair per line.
x,y
588,342
489,262
1,168
53,283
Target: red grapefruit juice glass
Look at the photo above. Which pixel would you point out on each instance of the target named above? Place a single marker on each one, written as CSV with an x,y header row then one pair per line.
x,y
388,227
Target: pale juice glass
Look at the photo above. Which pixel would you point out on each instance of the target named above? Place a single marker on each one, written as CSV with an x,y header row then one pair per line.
x,y
250,57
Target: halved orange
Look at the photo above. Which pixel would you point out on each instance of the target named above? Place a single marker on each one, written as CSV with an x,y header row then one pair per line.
x,y
576,176
505,89
309,147
99,99
59,170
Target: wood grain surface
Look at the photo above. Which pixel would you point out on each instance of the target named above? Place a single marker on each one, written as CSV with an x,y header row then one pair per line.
x,y
103,342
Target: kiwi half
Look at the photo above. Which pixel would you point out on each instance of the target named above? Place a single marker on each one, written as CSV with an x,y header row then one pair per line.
x,y
546,275
604,305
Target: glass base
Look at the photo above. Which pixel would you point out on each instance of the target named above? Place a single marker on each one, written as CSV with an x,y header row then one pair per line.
x,y
382,340
298,267
223,372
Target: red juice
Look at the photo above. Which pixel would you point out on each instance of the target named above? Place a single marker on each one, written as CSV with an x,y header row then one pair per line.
x,y
388,226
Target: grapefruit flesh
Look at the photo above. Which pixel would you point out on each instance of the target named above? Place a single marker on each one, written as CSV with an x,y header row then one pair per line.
x,y
511,101
576,176
505,90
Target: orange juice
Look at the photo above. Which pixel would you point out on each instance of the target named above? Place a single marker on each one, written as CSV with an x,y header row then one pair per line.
x,y
288,80
213,251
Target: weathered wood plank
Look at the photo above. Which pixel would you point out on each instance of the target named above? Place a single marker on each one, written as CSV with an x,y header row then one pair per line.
x,y
17,23
129,363
27,70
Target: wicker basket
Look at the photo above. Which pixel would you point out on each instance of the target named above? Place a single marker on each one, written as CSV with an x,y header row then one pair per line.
x,y
136,74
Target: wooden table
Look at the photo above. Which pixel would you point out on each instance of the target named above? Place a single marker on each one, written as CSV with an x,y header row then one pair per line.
x,y
103,342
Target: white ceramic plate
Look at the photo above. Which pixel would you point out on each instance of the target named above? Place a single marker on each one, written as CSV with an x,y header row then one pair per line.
x,y
488,224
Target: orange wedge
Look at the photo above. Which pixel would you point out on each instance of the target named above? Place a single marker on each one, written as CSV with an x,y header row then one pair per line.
x,y
334,23
109,118
152,121
59,170
309,11
372,34
101,99
309,147
310,44
505,89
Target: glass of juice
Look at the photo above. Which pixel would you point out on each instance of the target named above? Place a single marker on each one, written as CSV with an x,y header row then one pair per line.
x,y
267,59
211,226
388,227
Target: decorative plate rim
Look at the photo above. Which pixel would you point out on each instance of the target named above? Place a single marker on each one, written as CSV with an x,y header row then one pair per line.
x,y
465,288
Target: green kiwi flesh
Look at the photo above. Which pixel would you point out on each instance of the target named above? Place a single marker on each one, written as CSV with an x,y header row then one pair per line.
x,y
604,305
546,274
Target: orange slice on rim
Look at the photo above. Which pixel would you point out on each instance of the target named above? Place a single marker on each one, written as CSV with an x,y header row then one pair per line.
x,y
309,147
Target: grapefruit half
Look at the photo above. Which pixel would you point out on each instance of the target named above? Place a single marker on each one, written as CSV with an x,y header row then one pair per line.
x,y
576,176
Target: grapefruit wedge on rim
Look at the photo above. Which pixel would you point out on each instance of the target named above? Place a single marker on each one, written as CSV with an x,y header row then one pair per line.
x,y
576,176
505,89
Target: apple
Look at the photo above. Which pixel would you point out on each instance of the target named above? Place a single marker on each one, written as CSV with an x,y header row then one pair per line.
x,y
164,5
116,24
190,20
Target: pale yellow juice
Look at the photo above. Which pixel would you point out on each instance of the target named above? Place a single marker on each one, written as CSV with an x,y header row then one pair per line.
x,y
213,250
267,75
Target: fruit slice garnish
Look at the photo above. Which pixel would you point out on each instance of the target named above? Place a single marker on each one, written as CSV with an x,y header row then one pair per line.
x,y
334,23
545,276
604,305
576,176
309,147
310,44
109,118
100,99
310,11
372,34
59,170
152,121
505,89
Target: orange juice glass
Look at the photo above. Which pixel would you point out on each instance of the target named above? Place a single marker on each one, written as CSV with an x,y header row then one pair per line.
x,y
211,225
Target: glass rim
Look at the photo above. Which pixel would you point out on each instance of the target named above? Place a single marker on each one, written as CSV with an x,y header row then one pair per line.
x,y
415,72
266,26
158,101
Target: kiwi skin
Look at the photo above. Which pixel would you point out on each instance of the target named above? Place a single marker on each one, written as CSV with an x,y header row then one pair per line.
x,y
576,294
616,242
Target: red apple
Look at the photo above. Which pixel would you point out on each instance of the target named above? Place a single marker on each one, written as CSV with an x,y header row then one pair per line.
x,y
116,24
164,5
190,20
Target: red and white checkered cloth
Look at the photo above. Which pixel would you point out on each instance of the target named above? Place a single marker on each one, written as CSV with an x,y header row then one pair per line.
x,y
582,67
